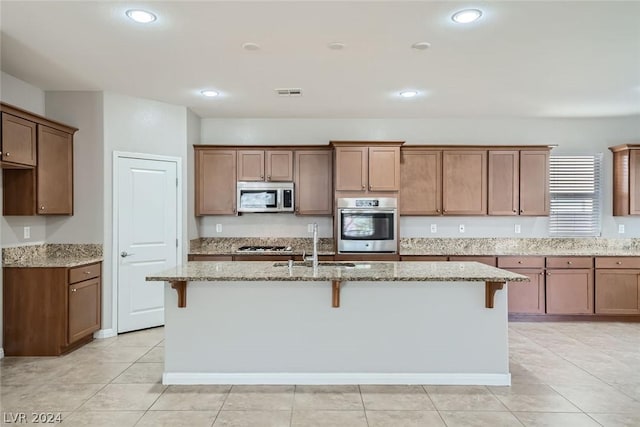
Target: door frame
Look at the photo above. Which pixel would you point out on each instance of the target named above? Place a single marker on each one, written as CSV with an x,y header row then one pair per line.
x,y
117,155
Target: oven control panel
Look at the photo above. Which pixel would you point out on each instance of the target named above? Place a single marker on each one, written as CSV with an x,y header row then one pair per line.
x,y
367,203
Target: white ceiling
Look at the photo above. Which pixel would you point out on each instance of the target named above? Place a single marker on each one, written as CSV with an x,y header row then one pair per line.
x,y
525,59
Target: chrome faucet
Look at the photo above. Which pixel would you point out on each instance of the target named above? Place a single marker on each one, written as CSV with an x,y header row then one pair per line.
x,y
314,257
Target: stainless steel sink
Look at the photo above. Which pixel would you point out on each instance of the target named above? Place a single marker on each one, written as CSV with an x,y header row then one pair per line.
x,y
310,264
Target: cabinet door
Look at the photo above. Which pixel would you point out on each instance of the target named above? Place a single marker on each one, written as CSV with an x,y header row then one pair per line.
x,y
279,165
18,140
570,291
618,291
504,182
250,165
54,172
351,168
313,184
634,182
420,182
384,168
464,182
215,182
534,183
527,297
84,309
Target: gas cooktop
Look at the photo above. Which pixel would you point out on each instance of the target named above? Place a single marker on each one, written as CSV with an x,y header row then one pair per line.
x,y
264,249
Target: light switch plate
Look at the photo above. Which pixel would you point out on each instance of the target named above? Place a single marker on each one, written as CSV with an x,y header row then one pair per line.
x,y
517,229
26,232
434,228
461,228
218,228
621,228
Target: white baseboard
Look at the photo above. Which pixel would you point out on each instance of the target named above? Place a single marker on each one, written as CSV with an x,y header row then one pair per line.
x,y
195,378
1,353
104,333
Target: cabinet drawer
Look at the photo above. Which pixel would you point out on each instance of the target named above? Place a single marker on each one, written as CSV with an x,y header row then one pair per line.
x,y
84,272
618,262
210,258
520,262
570,262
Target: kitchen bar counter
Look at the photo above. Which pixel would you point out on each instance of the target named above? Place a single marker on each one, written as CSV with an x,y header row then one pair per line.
x,y
51,255
372,323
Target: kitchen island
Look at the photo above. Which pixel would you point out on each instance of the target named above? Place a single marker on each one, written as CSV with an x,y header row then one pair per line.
x,y
339,323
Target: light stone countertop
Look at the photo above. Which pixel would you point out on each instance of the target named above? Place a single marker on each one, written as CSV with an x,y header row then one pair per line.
x,y
51,255
224,271
230,245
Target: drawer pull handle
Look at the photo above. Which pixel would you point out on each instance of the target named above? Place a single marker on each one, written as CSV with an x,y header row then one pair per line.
x,y
87,272
74,290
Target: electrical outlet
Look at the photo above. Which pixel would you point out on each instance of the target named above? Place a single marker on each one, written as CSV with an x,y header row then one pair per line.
x,y
218,228
461,228
310,228
516,229
621,228
434,228
26,232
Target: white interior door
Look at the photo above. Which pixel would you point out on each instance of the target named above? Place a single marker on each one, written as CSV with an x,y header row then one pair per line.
x,y
147,221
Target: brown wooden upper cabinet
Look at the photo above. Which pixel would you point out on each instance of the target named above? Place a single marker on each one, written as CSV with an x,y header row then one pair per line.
x,y
518,182
215,181
464,182
367,166
626,179
265,165
313,182
18,146
420,182
44,184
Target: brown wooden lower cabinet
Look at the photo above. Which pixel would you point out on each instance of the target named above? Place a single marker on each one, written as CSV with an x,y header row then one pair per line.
x,y
569,291
50,311
618,291
527,297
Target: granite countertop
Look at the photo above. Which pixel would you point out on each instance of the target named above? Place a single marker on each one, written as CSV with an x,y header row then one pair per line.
x,y
548,246
51,255
361,271
230,245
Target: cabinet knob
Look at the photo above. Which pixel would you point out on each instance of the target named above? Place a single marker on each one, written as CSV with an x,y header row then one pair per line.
x,y
74,290
548,274
438,210
261,176
618,262
521,210
7,154
41,208
363,186
87,272
519,262
569,262
268,177
515,211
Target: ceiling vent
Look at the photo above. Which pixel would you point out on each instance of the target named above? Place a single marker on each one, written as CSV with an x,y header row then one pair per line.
x,y
289,92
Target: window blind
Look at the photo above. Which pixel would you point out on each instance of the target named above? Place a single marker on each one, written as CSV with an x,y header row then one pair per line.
x,y
575,195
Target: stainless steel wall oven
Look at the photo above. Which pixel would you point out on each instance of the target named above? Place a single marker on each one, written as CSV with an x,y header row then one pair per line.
x,y
367,224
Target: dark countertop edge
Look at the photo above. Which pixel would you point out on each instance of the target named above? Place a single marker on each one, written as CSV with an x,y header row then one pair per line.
x,y
54,262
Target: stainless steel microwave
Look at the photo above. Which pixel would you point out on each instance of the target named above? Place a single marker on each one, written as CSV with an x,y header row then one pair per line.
x,y
265,196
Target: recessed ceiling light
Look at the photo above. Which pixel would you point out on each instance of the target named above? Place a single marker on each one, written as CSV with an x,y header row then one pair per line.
x,y
209,93
250,46
408,93
336,46
141,16
466,16
421,45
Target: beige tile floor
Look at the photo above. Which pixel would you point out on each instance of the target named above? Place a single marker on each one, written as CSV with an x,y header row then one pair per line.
x,y
564,375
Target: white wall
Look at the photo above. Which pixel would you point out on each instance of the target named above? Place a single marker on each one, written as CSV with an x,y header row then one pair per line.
x,y
573,136
82,110
139,126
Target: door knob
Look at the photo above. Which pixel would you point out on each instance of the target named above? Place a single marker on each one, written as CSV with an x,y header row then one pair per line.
x,y
125,254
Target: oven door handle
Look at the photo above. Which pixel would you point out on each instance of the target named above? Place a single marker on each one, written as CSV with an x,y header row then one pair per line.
x,y
366,211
